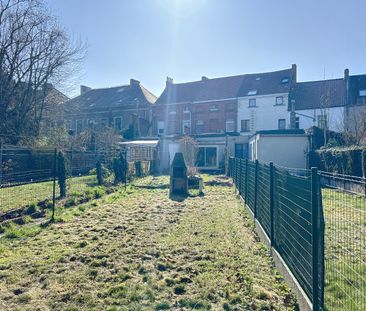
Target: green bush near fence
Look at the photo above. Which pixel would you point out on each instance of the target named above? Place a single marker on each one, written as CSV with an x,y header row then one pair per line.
x,y
347,161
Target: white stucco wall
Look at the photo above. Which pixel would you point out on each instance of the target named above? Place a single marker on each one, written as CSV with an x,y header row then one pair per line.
x,y
284,150
335,117
265,116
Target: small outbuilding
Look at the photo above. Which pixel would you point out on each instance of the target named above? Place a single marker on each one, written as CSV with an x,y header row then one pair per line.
x,y
288,148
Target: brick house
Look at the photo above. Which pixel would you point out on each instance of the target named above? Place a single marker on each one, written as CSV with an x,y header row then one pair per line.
x,y
214,112
116,107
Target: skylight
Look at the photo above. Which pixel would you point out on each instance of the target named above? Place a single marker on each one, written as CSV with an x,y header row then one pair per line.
x,y
251,93
285,80
258,78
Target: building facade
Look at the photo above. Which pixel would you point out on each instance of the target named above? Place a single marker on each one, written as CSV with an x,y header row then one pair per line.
x,y
116,107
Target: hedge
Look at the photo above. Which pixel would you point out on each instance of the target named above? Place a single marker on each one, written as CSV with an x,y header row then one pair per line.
x,y
347,160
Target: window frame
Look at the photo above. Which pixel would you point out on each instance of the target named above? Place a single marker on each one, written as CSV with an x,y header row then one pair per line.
x,y
241,126
279,122
160,128
115,125
205,166
282,101
251,100
232,121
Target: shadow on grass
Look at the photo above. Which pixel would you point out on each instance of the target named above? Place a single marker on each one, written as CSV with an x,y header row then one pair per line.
x,y
166,186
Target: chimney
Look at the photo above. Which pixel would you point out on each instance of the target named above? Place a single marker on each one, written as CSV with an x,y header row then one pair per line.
x,y
346,74
292,114
294,72
84,89
134,82
169,80
204,78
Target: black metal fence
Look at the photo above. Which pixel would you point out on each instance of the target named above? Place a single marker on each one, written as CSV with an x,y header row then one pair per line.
x,y
344,205
288,206
29,180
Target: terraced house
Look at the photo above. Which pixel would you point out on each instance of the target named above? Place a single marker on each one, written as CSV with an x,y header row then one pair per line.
x,y
220,113
118,107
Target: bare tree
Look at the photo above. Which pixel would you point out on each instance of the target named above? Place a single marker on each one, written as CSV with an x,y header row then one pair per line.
x,y
355,125
188,147
35,52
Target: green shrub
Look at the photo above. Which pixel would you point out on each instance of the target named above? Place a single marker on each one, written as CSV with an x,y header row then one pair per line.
x,y
30,209
99,192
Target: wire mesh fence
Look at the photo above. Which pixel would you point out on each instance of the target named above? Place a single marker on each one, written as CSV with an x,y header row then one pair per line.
x,y
345,241
288,206
30,179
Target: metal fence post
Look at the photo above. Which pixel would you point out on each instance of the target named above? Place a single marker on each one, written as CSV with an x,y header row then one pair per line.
x,y
240,177
256,187
246,182
1,161
271,201
54,185
315,238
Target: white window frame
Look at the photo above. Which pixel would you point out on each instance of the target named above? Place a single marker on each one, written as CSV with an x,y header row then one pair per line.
x,y
214,107
252,100
241,127
280,128
282,102
228,122
184,124
161,126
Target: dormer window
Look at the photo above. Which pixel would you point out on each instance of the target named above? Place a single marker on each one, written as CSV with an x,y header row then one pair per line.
x,y
362,93
253,92
285,80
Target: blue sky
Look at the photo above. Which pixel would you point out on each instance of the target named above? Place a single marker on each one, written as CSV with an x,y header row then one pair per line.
x,y
185,39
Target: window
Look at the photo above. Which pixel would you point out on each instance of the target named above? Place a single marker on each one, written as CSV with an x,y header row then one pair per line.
x,y
245,125
251,93
281,124
207,157
91,123
214,126
68,125
279,100
186,126
118,123
199,126
297,123
252,102
322,121
230,126
79,126
161,127
362,92
172,110
285,80
186,109
214,107
241,151
104,122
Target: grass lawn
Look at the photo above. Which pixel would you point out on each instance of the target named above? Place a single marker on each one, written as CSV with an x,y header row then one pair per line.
x,y
345,257
143,251
20,196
